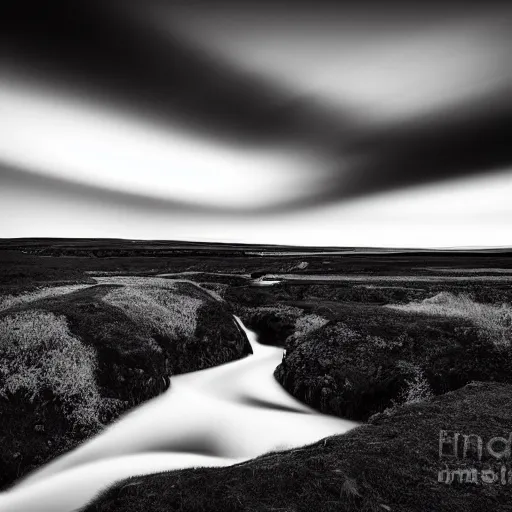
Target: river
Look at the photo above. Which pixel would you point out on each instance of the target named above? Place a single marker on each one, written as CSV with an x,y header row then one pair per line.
x,y
214,417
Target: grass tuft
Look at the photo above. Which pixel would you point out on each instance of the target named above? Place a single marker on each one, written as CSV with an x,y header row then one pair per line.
x,y
495,321
38,355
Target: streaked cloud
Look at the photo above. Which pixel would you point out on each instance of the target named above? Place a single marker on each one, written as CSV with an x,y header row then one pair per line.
x,y
260,115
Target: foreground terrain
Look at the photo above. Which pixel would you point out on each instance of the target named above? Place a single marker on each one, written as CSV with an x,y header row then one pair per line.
x,y
75,357
90,329
391,464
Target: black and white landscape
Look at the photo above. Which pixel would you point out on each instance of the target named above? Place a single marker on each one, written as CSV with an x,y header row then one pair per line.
x,y
237,377
255,256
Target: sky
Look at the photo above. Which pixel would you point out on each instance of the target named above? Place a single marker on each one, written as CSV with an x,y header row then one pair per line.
x,y
286,122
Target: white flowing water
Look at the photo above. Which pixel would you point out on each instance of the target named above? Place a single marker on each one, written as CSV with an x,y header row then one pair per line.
x,y
214,417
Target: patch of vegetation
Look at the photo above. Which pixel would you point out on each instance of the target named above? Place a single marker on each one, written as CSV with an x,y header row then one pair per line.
x,y
368,359
49,396
390,464
11,301
495,321
305,324
24,272
132,366
39,353
387,292
88,354
217,290
158,310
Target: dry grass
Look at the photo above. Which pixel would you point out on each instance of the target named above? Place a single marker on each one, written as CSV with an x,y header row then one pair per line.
x,y
10,301
154,304
139,281
38,353
305,324
278,309
309,323
495,321
417,387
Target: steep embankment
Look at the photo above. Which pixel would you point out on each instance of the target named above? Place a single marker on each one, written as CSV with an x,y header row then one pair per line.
x,y
371,358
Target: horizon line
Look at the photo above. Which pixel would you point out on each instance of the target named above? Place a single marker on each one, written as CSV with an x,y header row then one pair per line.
x,y
259,244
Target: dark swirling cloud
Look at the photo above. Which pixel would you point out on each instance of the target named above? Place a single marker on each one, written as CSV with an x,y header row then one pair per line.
x,y
394,156
468,140
114,51
474,139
